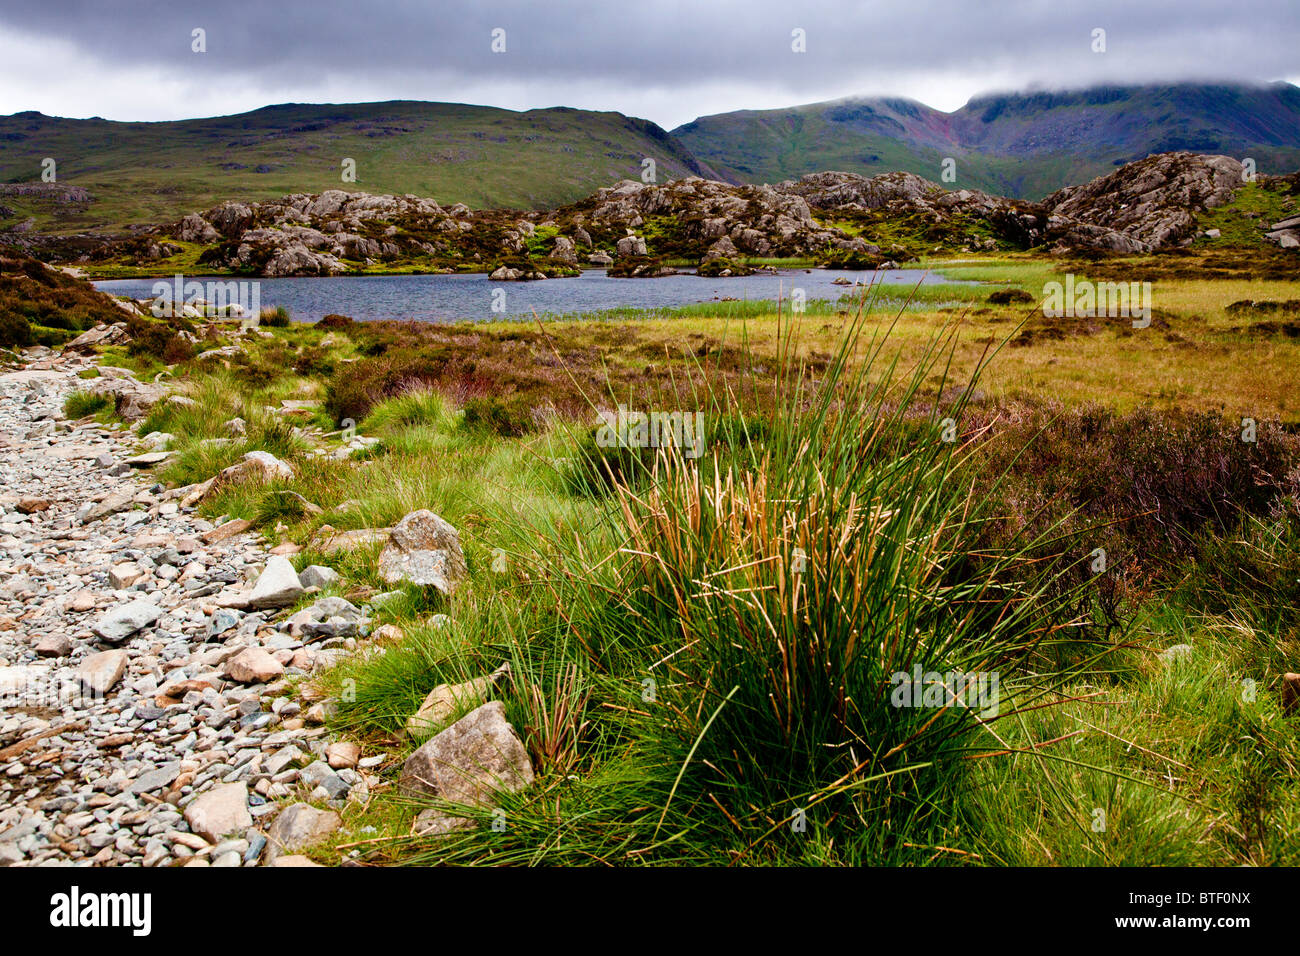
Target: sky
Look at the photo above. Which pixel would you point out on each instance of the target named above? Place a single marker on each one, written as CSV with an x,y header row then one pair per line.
x,y
664,60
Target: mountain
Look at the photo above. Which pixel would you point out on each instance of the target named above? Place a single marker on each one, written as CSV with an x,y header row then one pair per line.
x,y
112,175
1024,145
122,173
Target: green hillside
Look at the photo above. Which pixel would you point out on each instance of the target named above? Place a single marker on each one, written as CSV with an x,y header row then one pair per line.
x,y
484,157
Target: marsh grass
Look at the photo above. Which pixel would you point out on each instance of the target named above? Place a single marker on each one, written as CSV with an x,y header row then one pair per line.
x,y
686,695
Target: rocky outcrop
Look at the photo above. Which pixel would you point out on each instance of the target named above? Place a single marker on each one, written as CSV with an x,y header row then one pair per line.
x,y
194,228
692,214
959,216
564,250
305,234
849,191
1153,201
1144,206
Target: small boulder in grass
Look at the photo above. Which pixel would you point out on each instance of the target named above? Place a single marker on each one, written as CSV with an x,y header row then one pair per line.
x,y
317,576
388,634
471,761
424,549
445,700
298,826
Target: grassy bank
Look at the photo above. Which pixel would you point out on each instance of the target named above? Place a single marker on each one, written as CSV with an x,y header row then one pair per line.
x,y
703,650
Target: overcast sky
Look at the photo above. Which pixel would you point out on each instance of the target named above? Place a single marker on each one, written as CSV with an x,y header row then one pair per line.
x,y
666,60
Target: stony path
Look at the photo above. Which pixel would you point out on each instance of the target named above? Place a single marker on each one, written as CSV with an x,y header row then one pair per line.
x,y
151,746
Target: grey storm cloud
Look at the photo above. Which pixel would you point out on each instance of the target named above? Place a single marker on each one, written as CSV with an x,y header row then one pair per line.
x,y
655,54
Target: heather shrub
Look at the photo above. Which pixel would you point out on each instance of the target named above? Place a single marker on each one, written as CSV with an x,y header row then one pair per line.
x,y
1009,297
1145,484
15,331
509,417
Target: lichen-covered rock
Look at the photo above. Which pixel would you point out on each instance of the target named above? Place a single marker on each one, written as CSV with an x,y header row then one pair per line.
x,y
564,250
423,549
297,827
471,761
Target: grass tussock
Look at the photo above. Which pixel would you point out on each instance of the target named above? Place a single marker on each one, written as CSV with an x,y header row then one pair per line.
x,y
84,404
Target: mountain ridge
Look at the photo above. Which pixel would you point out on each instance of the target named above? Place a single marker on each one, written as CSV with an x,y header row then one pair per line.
x,y
115,174
1024,145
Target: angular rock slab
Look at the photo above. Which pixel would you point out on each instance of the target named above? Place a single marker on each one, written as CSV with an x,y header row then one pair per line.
x,y
121,622
297,827
99,673
423,549
152,780
255,466
222,810
471,761
277,586
111,505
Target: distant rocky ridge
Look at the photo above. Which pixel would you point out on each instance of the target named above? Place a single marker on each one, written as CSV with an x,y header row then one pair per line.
x,y
836,218
1024,144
